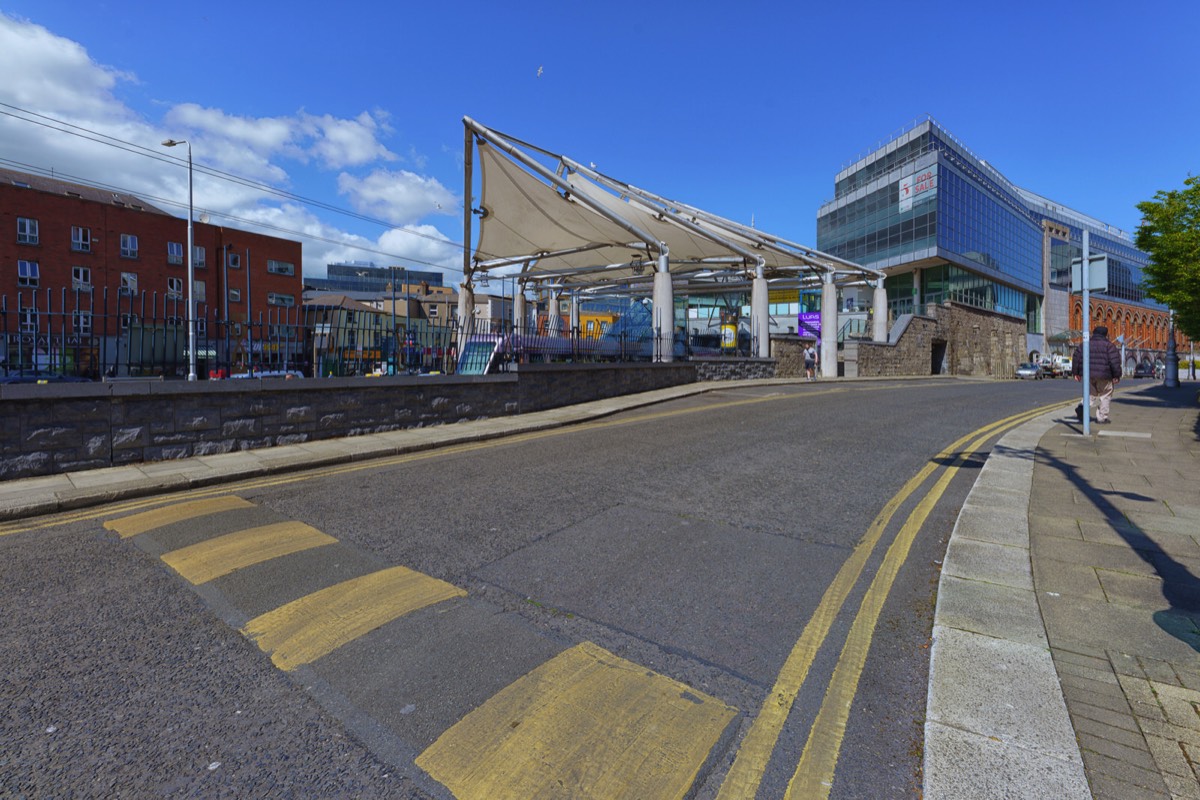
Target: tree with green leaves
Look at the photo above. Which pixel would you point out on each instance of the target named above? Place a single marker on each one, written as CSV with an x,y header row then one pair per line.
x,y
1170,234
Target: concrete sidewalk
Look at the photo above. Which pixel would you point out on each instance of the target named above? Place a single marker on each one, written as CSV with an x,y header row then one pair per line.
x,y
1065,661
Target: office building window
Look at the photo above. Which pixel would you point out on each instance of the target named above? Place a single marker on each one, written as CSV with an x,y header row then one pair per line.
x,y
198,257
27,273
174,252
233,260
27,230
276,299
129,283
28,321
81,239
129,245
280,267
174,288
81,278
235,295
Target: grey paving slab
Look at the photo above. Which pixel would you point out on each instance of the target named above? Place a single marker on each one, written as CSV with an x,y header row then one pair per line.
x,y
991,524
961,764
986,561
990,609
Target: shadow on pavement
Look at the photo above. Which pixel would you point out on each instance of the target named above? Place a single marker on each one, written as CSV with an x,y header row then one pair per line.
x,y
1180,588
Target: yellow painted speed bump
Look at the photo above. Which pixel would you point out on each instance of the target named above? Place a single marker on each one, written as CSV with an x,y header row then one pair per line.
x,y
157,518
208,560
305,629
586,724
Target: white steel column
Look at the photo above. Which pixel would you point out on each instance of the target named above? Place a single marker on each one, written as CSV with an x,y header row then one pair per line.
x,y
553,317
519,310
664,308
829,332
466,312
575,315
879,332
760,319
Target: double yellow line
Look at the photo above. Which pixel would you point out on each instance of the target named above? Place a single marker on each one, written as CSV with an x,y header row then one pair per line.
x,y
813,777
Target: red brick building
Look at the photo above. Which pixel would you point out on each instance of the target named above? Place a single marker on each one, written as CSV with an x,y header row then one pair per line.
x,y
94,281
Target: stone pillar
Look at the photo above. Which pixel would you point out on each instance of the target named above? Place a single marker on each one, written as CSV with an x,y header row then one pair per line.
x,y
829,329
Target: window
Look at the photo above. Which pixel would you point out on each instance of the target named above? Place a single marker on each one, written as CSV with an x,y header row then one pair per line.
x,y
233,260
28,321
174,288
432,312
276,299
27,273
174,252
173,322
129,246
235,295
81,278
201,326
197,257
81,322
81,239
27,230
280,267
128,321
128,283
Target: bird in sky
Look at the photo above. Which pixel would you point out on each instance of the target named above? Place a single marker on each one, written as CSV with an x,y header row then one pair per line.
x,y
539,72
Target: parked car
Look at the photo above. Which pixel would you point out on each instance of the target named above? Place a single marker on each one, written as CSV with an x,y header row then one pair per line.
x,y
1028,371
1144,369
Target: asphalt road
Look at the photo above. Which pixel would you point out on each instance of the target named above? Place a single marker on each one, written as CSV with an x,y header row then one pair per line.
x,y
567,586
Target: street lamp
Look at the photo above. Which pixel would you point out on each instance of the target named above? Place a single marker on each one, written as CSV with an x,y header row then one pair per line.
x,y
191,273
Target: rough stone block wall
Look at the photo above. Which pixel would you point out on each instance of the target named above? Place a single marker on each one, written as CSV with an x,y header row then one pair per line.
x,y
55,428
977,343
734,369
788,352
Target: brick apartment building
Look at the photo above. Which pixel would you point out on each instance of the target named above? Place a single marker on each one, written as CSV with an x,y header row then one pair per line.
x,y
94,282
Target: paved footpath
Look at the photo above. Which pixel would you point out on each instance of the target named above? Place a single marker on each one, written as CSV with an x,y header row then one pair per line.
x,y
1066,656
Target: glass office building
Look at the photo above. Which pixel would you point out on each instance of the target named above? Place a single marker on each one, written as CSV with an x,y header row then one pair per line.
x,y
945,225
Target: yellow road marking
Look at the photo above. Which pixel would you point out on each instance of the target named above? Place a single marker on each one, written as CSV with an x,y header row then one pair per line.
x,y
149,520
303,630
586,724
206,561
813,778
746,774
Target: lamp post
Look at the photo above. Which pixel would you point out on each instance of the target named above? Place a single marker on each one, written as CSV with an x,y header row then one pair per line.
x,y
191,273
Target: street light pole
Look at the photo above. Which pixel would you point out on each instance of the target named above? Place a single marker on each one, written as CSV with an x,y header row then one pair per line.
x,y
191,271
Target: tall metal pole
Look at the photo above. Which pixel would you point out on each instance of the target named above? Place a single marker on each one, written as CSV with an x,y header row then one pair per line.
x,y
249,319
191,271
1172,376
1084,269
394,349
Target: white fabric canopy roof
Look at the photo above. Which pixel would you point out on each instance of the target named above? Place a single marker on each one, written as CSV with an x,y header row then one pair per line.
x,y
582,233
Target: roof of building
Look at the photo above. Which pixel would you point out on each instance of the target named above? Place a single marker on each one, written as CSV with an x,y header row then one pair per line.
x,y
54,185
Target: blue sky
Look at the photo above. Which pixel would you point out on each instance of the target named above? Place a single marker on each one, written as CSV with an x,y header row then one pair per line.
x,y
747,110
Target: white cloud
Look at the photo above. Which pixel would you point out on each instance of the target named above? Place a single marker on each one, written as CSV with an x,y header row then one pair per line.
x,y
45,74
400,197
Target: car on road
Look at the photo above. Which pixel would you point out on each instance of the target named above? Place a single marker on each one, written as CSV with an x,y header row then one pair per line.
x,y
1029,371
1144,369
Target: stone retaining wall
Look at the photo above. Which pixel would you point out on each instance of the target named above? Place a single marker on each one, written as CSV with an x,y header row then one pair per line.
x,y
54,428
965,340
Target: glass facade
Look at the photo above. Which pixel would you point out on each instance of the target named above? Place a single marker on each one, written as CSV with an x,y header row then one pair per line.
x,y
925,200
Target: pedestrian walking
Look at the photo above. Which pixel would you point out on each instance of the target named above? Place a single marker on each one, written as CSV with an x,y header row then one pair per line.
x,y
810,363
1104,373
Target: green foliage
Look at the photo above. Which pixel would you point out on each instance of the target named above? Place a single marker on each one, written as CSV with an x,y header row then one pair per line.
x,y
1170,233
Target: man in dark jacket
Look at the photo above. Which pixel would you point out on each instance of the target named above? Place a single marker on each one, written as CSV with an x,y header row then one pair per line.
x,y
1104,372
